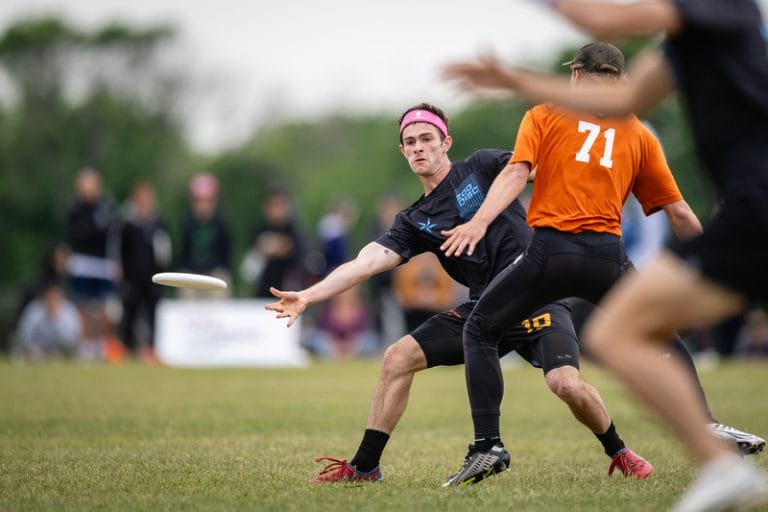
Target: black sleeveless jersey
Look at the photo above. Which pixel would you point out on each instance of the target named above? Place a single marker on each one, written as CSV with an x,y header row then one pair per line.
x,y
720,61
454,201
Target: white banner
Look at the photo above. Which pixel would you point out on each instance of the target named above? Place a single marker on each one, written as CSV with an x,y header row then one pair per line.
x,y
225,333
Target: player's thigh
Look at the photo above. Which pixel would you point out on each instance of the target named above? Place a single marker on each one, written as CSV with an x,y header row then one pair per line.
x,y
546,339
440,338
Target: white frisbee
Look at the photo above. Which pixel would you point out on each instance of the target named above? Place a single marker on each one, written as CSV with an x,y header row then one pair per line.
x,y
185,280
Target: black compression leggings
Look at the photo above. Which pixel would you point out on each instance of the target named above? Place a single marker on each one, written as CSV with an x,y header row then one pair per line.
x,y
555,265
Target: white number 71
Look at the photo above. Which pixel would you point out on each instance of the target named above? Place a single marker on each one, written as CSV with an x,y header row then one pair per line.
x,y
593,130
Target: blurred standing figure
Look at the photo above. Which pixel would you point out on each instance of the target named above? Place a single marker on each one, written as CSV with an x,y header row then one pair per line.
x,y
275,258
644,236
752,340
206,242
387,311
49,326
334,232
423,289
93,270
145,249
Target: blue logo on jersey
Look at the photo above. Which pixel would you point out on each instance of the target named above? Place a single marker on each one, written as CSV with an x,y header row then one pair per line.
x,y
427,226
469,197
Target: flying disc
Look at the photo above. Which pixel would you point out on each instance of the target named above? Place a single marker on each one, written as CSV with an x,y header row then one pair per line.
x,y
185,280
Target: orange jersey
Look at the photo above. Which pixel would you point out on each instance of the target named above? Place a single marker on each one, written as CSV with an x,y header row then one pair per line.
x,y
587,166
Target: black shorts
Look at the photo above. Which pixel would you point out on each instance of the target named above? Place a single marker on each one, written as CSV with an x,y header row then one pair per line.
x,y
733,250
546,340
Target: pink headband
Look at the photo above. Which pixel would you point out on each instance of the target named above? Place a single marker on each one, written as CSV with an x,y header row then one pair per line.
x,y
423,116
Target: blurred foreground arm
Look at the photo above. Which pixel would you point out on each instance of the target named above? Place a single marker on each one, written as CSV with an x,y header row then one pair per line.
x,y
372,259
609,20
649,81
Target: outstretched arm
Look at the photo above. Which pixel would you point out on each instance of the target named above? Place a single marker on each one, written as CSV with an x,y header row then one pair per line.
x,y
505,188
372,259
608,20
649,81
683,221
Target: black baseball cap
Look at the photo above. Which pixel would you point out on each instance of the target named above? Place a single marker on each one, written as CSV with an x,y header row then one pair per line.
x,y
598,57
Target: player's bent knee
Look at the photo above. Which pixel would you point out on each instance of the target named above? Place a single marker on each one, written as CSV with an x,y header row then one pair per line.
x,y
566,383
403,356
479,328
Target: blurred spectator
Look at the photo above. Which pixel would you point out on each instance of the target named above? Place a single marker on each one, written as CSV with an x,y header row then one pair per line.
x,y
49,326
93,268
276,253
145,249
343,329
423,289
206,243
643,236
333,229
388,314
53,269
752,340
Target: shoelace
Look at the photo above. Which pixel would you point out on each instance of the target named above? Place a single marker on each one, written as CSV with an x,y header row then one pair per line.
x,y
624,463
335,465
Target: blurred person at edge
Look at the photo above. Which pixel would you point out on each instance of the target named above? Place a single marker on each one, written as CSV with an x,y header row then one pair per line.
x,y
145,249
276,253
53,268
333,229
387,311
49,326
206,242
92,264
342,329
424,289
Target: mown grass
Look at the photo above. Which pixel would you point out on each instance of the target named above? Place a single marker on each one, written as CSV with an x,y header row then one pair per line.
x,y
135,437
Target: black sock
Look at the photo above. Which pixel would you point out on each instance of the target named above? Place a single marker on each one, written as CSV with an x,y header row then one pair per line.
x,y
369,452
485,444
486,431
612,443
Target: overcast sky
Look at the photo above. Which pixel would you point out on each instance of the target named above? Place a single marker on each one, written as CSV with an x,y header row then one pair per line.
x,y
309,57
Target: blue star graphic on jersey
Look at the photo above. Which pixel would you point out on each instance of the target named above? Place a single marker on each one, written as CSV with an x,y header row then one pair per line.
x,y
426,226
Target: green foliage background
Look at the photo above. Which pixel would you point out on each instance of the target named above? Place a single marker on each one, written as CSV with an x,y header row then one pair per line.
x,y
125,122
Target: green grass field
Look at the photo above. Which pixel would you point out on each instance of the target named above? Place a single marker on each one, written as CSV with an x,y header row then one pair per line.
x,y
136,437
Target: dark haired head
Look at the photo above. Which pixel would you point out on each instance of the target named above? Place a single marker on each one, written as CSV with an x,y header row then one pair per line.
x,y
428,107
598,58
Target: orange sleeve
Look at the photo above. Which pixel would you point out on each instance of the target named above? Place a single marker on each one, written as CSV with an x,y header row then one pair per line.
x,y
528,139
655,185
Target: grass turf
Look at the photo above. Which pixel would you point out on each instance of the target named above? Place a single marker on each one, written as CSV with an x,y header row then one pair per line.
x,y
136,437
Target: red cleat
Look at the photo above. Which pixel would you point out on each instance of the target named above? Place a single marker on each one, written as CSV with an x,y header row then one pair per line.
x,y
343,471
631,464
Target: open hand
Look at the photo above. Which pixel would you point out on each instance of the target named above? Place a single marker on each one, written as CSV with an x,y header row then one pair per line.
x,y
290,305
464,236
487,72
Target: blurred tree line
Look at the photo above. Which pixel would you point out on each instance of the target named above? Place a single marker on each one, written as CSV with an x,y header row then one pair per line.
x,y
110,98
